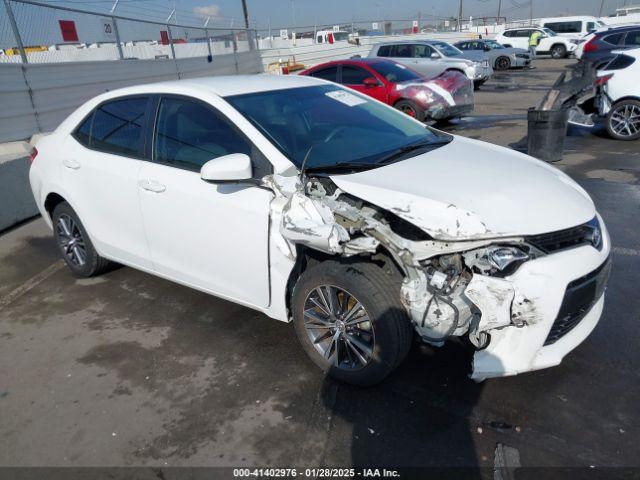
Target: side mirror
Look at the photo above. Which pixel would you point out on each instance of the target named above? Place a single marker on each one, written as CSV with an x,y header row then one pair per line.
x,y
228,168
435,55
370,82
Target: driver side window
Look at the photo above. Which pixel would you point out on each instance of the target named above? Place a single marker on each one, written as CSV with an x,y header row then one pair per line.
x,y
422,51
188,134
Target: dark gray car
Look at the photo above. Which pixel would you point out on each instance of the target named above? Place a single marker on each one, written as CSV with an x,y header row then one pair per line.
x,y
500,57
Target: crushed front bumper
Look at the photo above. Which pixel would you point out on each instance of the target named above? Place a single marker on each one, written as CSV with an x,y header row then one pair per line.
x,y
536,337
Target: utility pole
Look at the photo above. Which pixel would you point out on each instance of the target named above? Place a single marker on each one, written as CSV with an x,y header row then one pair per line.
x,y
245,12
499,11
530,12
460,17
601,8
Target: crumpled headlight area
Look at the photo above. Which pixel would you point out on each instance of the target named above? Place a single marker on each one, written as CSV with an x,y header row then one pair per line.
x,y
498,260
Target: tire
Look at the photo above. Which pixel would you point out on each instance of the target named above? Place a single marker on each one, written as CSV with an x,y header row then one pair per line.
x,y
410,108
478,83
503,63
388,333
83,259
623,121
558,51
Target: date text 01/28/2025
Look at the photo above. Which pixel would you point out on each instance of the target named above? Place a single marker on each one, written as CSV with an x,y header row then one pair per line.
x,y
315,473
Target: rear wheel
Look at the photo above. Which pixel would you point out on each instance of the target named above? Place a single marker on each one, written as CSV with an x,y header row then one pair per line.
x,y
350,321
75,245
410,108
503,63
623,121
558,51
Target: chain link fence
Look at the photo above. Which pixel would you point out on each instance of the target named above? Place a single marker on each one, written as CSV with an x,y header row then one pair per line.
x,y
33,32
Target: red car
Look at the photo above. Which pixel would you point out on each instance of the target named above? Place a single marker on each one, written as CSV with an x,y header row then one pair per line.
x,y
446,96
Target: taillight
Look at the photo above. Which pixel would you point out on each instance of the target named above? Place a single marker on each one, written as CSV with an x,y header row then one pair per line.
x,y
33,154
602,81
590,46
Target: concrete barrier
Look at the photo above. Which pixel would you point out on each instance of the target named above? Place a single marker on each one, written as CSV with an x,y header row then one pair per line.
x,y
16,200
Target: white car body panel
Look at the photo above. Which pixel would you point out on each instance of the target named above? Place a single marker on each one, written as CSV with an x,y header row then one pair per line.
x,y
624,82
419,190
238,241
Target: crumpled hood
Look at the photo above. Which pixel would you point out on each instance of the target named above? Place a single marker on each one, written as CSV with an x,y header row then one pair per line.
x,y
473,190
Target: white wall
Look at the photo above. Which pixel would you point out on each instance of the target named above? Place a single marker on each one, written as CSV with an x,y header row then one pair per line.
x,y
37,97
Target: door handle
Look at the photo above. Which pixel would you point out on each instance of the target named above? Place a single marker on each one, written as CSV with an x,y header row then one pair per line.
x,y
72,164
152,186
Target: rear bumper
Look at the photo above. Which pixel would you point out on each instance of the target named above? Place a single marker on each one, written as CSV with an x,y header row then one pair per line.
x,y
539,290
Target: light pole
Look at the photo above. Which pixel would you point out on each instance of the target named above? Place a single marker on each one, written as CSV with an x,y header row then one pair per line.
x,y
245,12
460,17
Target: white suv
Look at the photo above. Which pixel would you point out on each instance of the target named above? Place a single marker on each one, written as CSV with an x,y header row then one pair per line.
x,y
314,203
550,42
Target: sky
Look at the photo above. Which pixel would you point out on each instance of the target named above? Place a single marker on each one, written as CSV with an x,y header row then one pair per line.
x,y
39,25
286,13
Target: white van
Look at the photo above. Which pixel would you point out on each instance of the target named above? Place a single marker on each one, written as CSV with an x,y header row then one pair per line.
x,y
331,36
573,27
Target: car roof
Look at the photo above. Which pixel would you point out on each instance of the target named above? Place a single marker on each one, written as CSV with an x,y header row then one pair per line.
x,y
225,85
568,19
353,61
400,42
617,28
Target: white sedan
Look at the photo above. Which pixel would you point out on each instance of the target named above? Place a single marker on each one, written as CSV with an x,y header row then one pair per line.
x,y
618,99
319,205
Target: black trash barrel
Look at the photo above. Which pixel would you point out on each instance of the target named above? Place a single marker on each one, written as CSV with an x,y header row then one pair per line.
x,y
547,130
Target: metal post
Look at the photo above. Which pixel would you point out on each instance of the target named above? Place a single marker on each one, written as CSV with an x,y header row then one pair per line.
x,y
206,32
460,17
499,11
16,32
530,12
173,50
235,49
601,8
245,12
117,34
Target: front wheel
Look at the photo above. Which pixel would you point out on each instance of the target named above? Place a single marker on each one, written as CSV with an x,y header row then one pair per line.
x,y
350,321
503,63
623,121
558,51
410,108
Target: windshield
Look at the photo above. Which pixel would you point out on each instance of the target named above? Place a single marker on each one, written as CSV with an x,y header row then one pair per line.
x,y
446,49
549,32
493,44
345,129
394,72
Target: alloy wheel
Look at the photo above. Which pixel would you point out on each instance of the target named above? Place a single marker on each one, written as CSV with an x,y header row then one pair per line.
x,y
71,241
502,63
625,120
339,327
408,110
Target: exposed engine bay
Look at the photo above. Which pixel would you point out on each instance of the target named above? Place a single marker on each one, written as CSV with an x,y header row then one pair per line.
x,y
450,289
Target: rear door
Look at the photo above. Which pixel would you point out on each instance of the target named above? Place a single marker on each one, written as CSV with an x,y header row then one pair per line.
x,y
100,175
353,77
520,38
210,236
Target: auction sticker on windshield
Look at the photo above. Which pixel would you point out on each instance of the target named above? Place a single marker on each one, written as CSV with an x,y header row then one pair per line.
x,y
346,98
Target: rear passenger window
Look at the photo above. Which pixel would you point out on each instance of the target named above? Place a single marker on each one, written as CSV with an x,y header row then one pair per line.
x,y
330,74
189,134
632,38
384,51
354,75
117,126
402,51
613,39
83,132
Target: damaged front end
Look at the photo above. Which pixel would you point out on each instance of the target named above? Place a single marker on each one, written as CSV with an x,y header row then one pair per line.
x,y
445,96
449,288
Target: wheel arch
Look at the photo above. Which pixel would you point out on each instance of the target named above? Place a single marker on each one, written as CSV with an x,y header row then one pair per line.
x,y
628,97
307,258
52,200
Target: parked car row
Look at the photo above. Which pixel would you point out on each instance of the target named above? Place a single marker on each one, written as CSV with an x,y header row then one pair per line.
x,y
426,79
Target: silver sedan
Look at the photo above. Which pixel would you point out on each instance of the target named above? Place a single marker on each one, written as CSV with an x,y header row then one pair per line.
x,y
500,57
